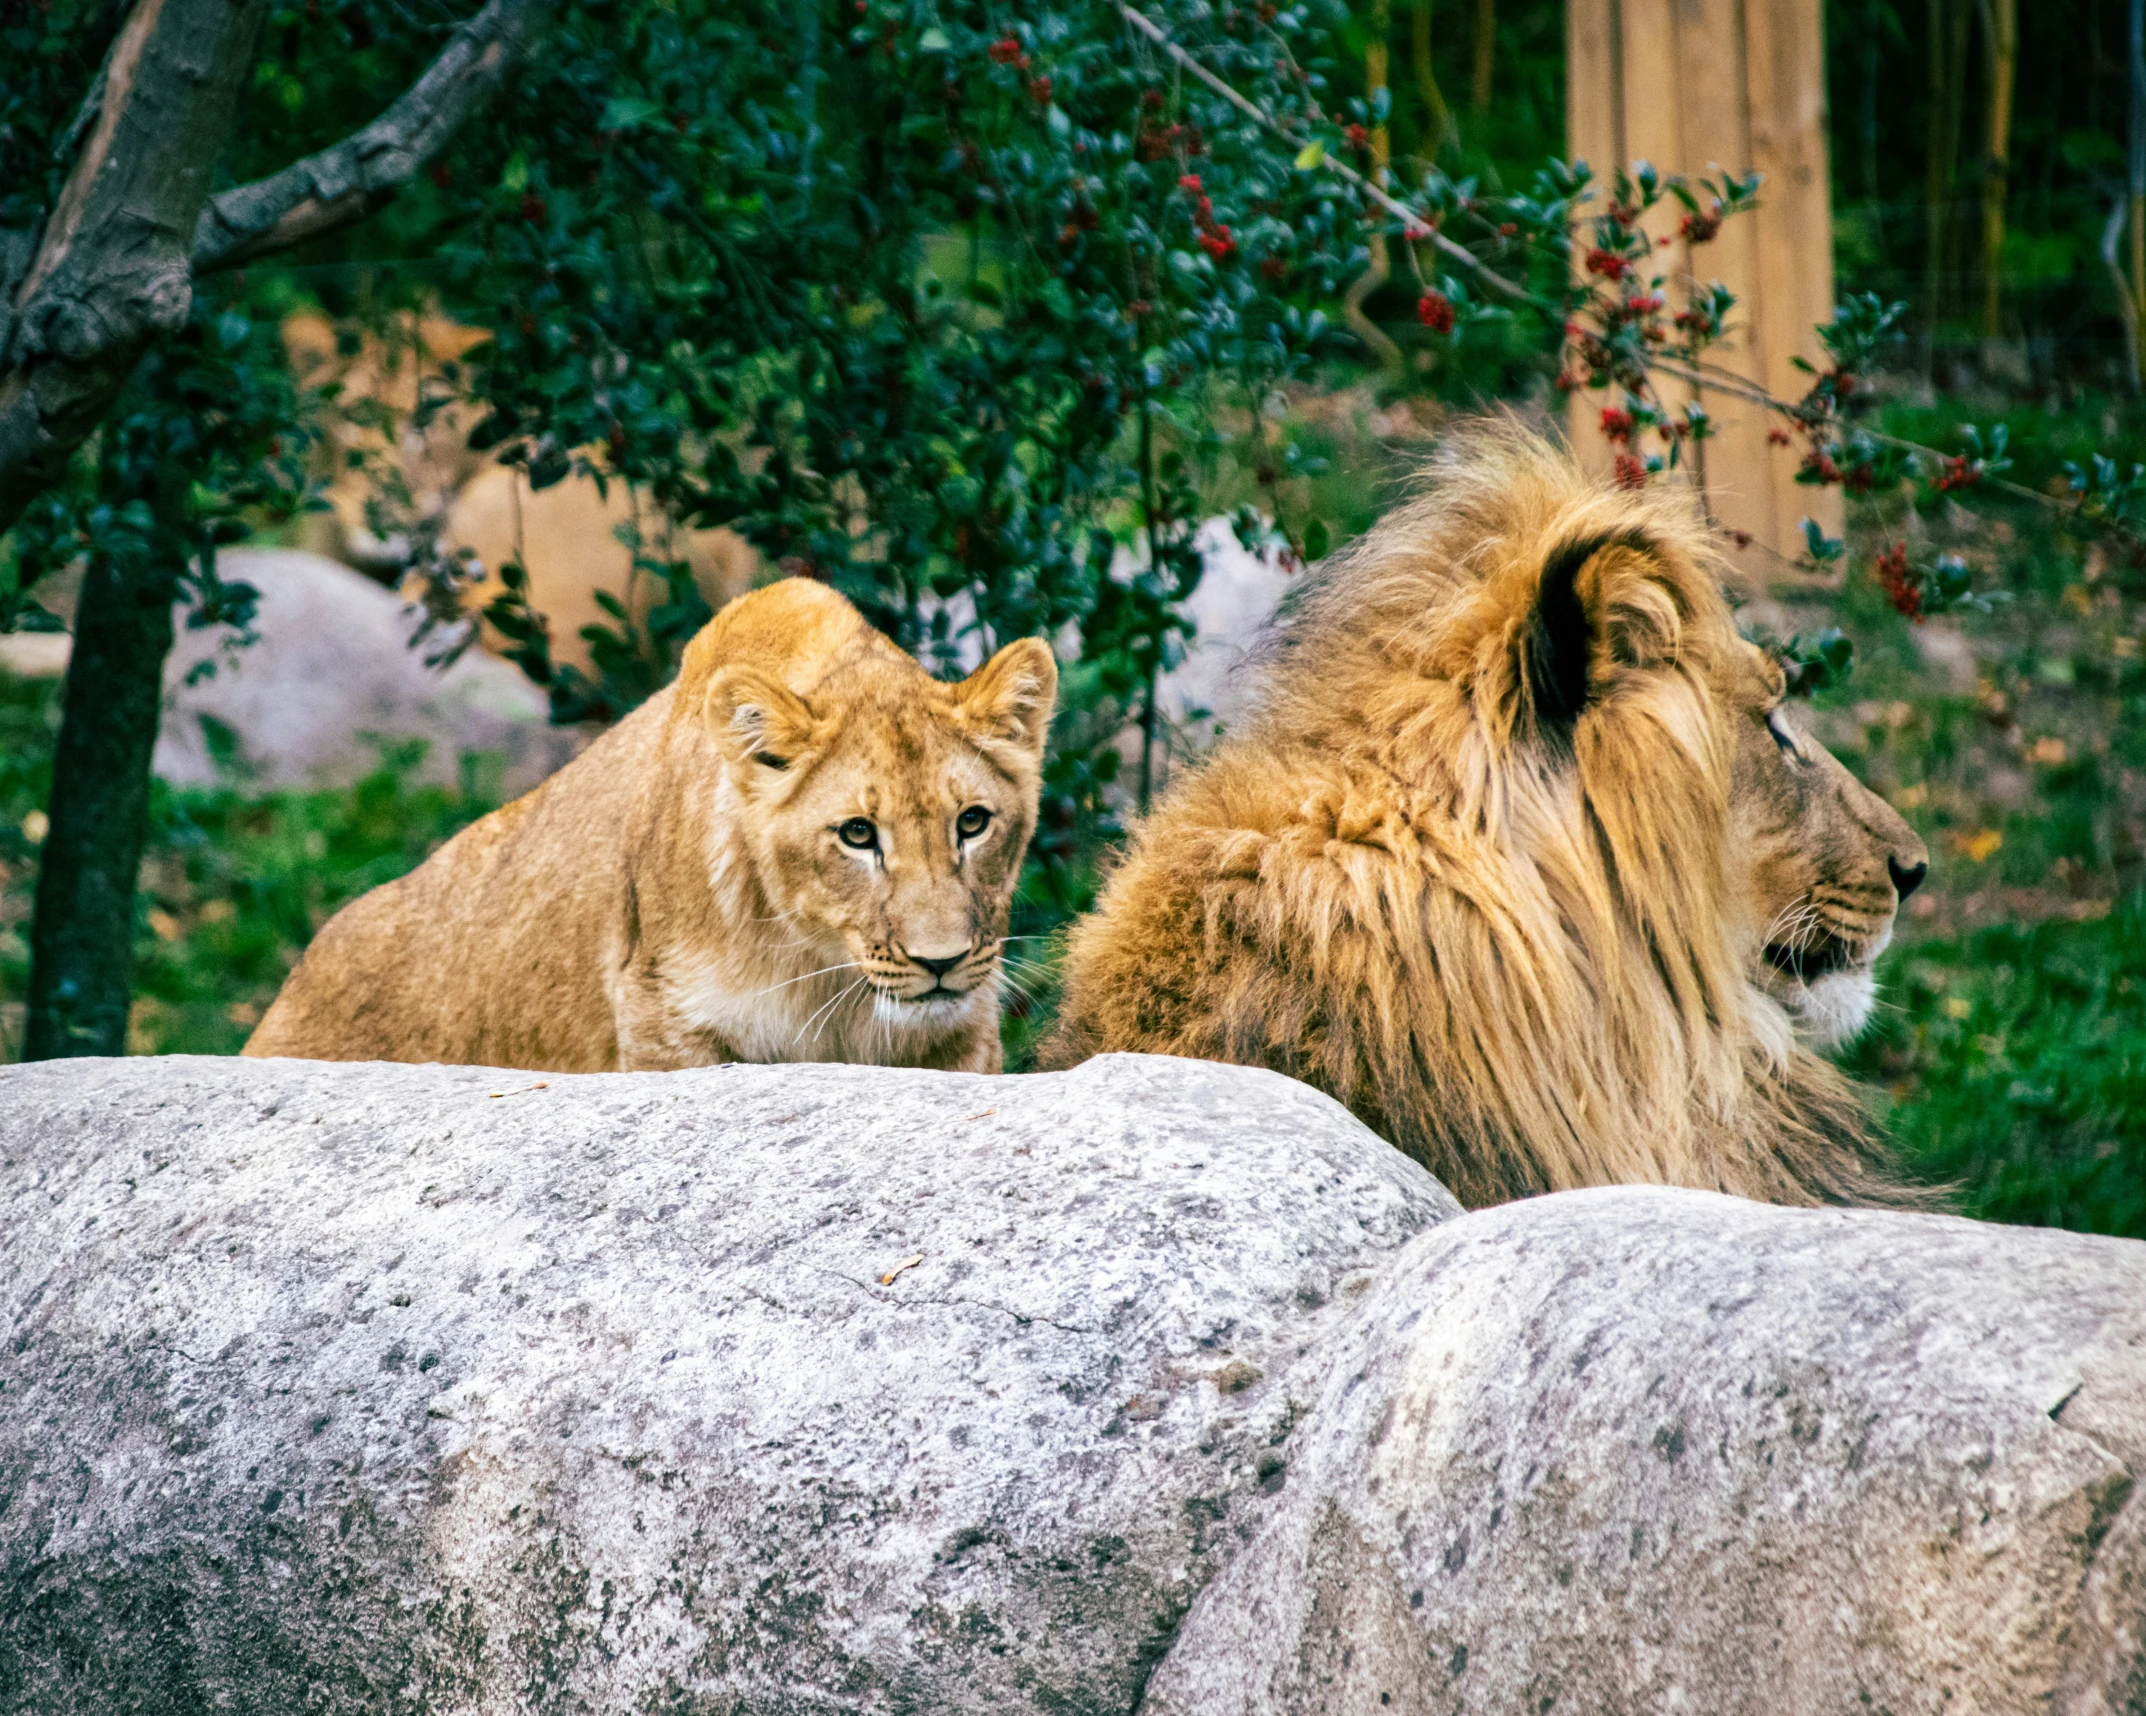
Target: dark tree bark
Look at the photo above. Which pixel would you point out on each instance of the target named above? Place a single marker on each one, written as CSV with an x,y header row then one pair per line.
x,y
135,224
113,268
111,271
82,937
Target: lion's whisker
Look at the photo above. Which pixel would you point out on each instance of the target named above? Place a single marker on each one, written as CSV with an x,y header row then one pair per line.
x,y
846,965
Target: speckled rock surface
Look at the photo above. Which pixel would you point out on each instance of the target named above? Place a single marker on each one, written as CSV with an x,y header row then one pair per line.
x,y
1151,1386
1644,1450
356,1388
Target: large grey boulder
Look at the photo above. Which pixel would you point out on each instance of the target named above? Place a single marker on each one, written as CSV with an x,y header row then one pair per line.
x,y
1154,1385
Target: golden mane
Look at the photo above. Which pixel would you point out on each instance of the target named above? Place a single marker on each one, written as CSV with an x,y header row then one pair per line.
x,y
1470,870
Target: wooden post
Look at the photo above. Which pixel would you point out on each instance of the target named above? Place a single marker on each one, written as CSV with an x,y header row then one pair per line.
x,y
1699,87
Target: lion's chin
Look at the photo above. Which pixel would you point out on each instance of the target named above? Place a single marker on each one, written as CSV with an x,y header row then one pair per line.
x,y
928,1012
1832,1009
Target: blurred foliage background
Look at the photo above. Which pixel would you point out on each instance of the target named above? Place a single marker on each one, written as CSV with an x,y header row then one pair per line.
x,y
950,305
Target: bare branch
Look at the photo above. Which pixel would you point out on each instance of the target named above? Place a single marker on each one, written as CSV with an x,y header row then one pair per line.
x,y
349,181
1413,223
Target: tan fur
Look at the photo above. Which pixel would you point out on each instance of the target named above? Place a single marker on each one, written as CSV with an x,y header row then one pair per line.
x,y
680,894
1529,947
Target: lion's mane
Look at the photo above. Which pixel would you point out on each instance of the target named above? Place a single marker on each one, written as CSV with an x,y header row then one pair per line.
x,y
1466,870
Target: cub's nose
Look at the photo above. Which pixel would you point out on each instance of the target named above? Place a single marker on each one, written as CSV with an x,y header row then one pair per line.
x,y
939,967
1906,877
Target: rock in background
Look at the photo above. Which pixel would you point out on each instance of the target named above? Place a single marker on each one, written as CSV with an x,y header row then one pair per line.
x,y
1154,1385
332,673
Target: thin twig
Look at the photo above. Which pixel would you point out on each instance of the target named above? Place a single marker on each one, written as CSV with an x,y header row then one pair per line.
x,y
1705,375
1412,222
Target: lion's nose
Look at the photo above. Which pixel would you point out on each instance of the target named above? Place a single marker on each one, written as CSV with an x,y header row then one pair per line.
x,y
1906,877
939,967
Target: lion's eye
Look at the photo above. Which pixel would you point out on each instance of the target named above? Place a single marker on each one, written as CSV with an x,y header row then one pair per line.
x,y
1783,734
858,832
972,822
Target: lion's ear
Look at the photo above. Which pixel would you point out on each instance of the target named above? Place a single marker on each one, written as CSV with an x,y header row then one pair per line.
x,y
1566,630
756,719
1009,699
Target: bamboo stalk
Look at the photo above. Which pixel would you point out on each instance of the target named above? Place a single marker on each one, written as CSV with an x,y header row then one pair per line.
x,y
1486,48
1381,270
2137,185
1442,129
2002,20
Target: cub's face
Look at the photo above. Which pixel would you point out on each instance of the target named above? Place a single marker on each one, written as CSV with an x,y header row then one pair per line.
x,y
889,816
1825,862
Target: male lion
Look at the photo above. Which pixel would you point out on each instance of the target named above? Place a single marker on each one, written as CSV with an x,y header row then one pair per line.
x,y
1522,858
802,850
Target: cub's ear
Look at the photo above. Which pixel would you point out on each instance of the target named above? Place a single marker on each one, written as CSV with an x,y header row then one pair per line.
x,y
1558,646
1008,700
758,720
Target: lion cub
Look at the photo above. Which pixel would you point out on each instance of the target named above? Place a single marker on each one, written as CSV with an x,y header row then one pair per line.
x,y
804,849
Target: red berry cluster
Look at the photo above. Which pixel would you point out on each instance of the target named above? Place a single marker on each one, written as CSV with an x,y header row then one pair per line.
x,y
1959,473
1214,236
1631,471
1435,311
1901,585
1700,228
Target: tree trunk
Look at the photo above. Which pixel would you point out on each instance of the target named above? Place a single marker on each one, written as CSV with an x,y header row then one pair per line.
x,y
82,937
1486,50
112,270
2002,17
116,261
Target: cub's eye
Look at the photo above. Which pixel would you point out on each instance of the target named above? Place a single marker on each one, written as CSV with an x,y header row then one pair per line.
x,y
1783,734
972,822
858,832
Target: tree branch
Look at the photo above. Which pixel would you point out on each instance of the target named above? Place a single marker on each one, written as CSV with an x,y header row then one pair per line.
x,y
349,181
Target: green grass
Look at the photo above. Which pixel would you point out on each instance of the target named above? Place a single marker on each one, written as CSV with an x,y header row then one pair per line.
x,y
2013,1061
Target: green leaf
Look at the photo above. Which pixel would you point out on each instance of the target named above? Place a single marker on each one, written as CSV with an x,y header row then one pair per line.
x,y
1310,156
624,113
934,41
1316,540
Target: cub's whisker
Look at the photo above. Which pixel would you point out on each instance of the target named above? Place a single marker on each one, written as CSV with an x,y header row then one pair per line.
x,y
846,965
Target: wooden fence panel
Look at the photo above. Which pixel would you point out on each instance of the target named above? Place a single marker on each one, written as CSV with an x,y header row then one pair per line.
x,y
1696,87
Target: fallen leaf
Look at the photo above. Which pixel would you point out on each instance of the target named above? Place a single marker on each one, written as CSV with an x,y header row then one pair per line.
x,y
984,1114
887,1280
